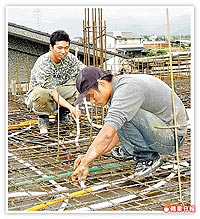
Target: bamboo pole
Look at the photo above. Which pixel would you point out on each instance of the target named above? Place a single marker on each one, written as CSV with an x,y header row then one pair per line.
x,y
174,108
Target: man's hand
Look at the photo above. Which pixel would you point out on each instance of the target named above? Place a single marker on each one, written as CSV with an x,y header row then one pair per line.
x,y
76,113
78,161
80,173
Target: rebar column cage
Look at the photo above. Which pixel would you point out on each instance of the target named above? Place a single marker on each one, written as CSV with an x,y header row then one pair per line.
x,y
94,37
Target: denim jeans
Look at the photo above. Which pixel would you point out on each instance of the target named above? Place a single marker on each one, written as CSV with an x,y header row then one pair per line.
x,y
140,138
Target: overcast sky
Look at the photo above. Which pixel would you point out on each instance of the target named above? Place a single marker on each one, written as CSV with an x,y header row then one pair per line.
x,y
142,19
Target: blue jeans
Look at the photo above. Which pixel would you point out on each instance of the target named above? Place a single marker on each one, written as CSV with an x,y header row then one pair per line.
x,y
141,139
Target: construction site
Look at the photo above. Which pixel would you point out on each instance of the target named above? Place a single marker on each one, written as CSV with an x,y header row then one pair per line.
x,y
39,166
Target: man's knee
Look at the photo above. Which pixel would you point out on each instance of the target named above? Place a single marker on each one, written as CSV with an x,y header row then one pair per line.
x,y
41,101
68,93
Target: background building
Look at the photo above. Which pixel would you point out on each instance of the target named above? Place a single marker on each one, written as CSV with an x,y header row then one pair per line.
x,y
126,43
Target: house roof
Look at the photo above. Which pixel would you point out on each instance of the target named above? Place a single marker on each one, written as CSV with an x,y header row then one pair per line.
x,y
124,34
132,49
28,33
42,37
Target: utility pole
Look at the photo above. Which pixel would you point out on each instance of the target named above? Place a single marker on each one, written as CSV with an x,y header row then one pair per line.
x,y
36,12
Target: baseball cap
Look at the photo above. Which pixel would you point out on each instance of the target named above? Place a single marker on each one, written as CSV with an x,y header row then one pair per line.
x,y
86,78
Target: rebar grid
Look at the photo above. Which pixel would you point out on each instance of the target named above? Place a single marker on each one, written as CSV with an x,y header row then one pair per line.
x,y
38,174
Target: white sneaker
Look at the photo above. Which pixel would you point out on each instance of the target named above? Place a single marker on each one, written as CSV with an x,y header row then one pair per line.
x,y
144,168
43,130
118,154
43,124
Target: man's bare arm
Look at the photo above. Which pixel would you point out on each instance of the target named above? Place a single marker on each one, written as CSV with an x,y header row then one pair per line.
x,y
64,103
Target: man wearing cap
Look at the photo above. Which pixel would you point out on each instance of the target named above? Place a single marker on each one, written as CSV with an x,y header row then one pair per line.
x,y
137,104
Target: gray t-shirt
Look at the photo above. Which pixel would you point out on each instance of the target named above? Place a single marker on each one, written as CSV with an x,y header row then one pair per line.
x,y
132,92
49,75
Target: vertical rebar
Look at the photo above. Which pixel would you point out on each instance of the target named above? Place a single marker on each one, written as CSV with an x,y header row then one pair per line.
x,y
84,43
27,74
94,35
174,108
105,35
19,87
88,35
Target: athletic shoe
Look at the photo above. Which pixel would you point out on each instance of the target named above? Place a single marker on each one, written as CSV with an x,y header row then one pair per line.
x,y
144,168
43,123
118,154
